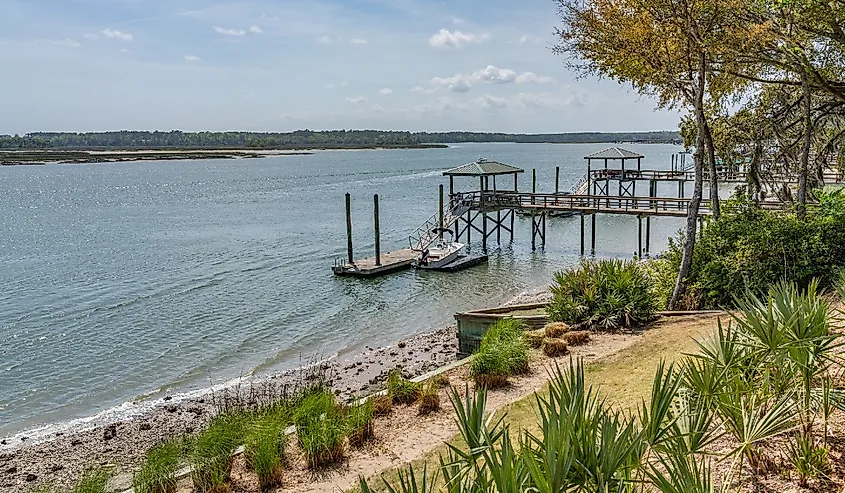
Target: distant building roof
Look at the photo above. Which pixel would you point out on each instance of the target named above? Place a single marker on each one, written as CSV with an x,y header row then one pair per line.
x,y
483,167
614,153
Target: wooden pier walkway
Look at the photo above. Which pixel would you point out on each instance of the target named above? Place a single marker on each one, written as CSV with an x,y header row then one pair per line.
x,y
369,267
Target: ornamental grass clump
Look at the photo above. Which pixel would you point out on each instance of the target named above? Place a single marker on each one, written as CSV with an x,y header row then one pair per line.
x,y
554,347
264,450
400,389
359,420
92,481
320,429
158,472
382,404
576,337
429,399
210,454
603,295
503,352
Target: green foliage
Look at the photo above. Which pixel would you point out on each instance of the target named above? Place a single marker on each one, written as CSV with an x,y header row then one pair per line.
x,y
158,472
749,249
211,451
360,422
92,481
503,352
264,449
400,389
809,459
320,428
603,294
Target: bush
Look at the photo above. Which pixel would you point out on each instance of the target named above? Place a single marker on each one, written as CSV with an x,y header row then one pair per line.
x,y
360,423
603,294
382,405
554,347
749,249
429,399
158,473
320,429
92,481
503,352
555,329
211,453
809,459
400,389
264,449
576,337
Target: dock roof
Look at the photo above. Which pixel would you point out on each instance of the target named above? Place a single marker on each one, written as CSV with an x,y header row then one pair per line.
x,y
614,153
483,167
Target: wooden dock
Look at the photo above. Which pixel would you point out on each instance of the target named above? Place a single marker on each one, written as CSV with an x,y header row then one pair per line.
x,y
390,262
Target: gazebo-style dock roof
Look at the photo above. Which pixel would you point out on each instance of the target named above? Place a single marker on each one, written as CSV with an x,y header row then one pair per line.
x,y
483,167
615,153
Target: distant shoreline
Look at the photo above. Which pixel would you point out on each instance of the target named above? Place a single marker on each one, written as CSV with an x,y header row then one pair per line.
x,y
35,157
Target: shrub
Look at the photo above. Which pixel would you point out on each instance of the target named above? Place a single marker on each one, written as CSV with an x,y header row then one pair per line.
x,y
429,399
264,450
555,329
603,294
576,337
158,473
503,352
400,389
211,453
534,338
382,405
320,429
749,249
554,347
92,481
808,459
360,423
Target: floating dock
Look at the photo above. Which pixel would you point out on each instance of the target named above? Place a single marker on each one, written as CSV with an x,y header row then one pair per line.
x,y
368,267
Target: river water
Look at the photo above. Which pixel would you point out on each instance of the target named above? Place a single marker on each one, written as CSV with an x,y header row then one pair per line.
x,y
121,280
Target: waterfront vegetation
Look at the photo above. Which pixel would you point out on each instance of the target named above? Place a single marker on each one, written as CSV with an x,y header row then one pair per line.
x,y
502,353
754,399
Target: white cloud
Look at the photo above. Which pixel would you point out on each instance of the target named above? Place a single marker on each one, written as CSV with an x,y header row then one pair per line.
x,y
328,86
524,39
324,40
358,41
456,20
115,34
124,50
385,91
70,43
359,99
488,101
255,30
91,36
192,58
490,74
423,90
548,101
378,107
449,39
229,32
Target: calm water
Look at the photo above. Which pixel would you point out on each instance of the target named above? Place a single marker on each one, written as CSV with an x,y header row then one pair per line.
x,y
123,279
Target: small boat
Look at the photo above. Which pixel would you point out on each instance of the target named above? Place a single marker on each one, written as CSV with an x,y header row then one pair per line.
x,y
439,255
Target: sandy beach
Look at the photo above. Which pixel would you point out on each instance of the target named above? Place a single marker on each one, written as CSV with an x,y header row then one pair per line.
x,y
58,453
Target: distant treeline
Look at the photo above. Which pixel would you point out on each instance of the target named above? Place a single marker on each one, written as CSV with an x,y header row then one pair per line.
x,y
303,139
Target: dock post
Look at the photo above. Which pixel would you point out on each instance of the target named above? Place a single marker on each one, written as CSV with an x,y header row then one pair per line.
x,y
533,232
593,236
648,235
484,231
377,230
557,180
639,237
582,234
349,228
543,238
469,227
440,231
513,213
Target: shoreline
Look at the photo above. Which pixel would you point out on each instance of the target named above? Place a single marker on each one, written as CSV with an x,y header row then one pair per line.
x,y
58,452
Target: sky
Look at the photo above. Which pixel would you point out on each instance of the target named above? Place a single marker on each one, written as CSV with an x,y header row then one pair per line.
x,y
282,65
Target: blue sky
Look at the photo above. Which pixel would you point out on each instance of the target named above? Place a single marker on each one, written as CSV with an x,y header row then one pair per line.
x,y
280,65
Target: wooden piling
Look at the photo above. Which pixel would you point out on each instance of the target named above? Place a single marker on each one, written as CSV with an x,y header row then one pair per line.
x,y
593,236
440,229
349,227
639,237
582,234
377,229
557,179
648,235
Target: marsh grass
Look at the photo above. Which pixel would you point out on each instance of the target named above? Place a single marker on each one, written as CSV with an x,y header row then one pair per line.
x,y
400,389
264,449
360,423
158,472
93,481
211,452
321,428
503,352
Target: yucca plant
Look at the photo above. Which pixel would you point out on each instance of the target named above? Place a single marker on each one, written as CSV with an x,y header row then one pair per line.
x,y
408,483
603,295
92,481
400,389
264,449
809,459
320,429
211,453
502,352
158,472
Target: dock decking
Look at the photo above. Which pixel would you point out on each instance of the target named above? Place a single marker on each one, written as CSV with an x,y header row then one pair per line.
x,y
390,262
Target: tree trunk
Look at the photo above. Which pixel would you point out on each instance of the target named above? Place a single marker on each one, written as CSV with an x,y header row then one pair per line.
x,y
805,148
714,178
753,177
695,201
